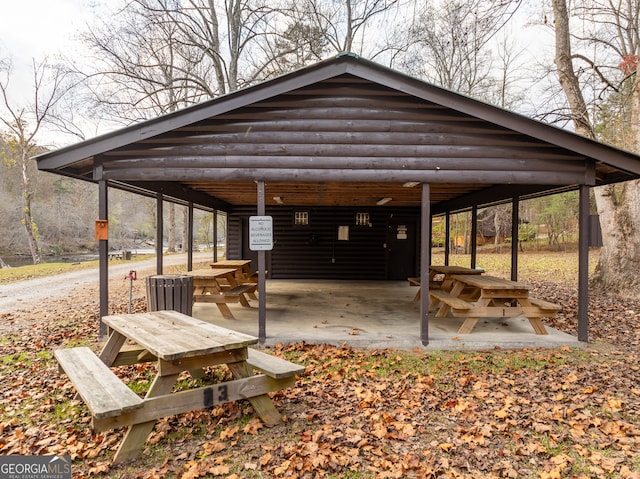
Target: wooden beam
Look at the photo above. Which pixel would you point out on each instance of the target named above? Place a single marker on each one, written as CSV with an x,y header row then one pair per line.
x,y
379,131
345,175
339,152
362,157
192,399
173,190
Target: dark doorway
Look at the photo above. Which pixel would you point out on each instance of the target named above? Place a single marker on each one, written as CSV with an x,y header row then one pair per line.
x,y
401,249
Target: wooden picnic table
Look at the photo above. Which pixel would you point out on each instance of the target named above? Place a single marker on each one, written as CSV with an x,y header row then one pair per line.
x,y
447,273
208,287
481,296
177,343
441,277
243,275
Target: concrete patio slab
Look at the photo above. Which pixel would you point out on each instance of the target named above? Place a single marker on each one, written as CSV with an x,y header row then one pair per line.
x,y
371,314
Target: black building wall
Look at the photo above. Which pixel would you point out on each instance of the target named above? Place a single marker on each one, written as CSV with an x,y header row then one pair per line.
x,y
314,251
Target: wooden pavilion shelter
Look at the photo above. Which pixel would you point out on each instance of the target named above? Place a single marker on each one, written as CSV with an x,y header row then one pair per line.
x,y
341,139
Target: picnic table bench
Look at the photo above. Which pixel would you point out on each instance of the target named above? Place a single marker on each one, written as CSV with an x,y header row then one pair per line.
x,y
243,273
177,343
209,288
441,277
490,297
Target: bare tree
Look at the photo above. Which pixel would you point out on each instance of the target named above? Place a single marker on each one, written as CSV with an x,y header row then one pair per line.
x,y
616,39
23,122
450,43
347,25
300,44
162,55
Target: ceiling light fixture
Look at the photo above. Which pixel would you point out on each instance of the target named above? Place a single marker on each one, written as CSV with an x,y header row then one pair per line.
x,y
410,184
278,199
383,201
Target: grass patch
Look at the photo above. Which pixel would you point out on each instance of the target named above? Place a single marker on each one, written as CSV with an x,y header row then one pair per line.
x,y
32,271
533,265
23,273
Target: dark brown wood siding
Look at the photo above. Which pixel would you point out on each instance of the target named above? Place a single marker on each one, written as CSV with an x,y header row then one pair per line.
x,y
314,251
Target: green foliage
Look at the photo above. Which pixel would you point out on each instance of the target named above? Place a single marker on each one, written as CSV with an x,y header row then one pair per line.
x,y
612,118
559,216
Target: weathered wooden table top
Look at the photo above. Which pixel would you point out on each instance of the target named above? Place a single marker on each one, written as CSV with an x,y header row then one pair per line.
x,y
454,270
171,335
489,282
211,273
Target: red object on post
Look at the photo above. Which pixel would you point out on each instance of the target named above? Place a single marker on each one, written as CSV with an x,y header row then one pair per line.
x,y
102,229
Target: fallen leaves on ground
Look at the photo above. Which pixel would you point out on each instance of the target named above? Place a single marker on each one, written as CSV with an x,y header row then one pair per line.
x,y
372,414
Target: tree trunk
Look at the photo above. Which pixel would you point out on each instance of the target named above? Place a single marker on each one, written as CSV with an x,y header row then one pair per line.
x,y
619,265
171,229
185,229
27,220
619,261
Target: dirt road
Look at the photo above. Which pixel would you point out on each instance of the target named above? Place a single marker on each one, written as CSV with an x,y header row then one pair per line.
x,y
23,293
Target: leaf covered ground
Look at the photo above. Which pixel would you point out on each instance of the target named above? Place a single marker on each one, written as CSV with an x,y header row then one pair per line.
x,y
354,413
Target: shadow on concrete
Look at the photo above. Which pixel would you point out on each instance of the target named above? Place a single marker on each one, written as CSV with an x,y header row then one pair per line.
x,y
370,314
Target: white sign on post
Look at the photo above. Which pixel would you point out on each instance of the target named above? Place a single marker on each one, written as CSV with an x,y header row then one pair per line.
x,y
260,233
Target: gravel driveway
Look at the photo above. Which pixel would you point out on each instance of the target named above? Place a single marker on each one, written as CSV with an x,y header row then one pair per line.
x,y
22,293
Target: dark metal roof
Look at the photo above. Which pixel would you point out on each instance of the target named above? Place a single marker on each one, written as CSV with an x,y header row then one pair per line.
x,y
344,132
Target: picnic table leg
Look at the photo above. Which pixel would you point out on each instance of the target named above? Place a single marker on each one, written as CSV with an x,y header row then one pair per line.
x,y
470,322
243,301
262,404
241,297
112,347
137,434
468,325
224,309
444,309
536,323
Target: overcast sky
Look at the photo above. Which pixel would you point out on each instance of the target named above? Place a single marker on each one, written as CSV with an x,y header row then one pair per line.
x,y
33,28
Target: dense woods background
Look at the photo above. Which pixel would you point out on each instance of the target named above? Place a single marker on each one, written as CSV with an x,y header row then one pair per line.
x,y
65,210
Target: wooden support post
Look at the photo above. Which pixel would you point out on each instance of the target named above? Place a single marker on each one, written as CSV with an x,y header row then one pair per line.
x,y
425,225
190,236
583,266
515,240
262,296
447,238
215,238
103,252
474,236
159,233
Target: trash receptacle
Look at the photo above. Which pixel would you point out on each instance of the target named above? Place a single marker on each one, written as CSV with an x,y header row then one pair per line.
x,y
170,292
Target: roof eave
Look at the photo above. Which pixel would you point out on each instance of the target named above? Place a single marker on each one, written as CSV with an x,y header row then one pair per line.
x,y
66,156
